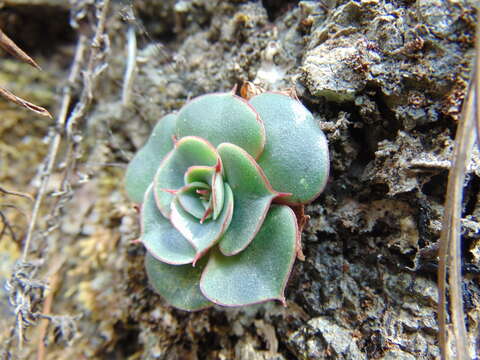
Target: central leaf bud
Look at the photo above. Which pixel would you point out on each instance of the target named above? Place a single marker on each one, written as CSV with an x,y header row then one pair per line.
x,y
203,193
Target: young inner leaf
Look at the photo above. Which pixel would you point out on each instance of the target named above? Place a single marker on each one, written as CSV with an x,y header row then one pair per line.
x,y
217,195
191,200
202,235
199,174
188,151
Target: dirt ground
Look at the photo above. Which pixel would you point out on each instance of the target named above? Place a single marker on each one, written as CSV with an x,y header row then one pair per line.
x,y
385,79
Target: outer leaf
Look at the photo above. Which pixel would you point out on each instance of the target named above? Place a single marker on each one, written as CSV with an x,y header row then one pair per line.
x,y
295,158
188,151
261,271
252,195
142,168
203,236
160,238
223,117
178,284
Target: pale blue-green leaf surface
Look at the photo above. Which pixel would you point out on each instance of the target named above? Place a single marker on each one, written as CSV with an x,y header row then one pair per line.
x,y
260,272
177,284
199,174
295,158
188,151
144,165
160,238
203,236
252,197
189,199
223,117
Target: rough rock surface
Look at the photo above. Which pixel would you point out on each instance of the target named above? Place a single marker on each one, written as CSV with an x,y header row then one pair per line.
x,y
385,80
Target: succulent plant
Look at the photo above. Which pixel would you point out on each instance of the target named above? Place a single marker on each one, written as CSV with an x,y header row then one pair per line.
x,y
216,181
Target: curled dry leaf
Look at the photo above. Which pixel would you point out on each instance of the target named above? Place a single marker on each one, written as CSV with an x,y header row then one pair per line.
x,y
26,104
9,46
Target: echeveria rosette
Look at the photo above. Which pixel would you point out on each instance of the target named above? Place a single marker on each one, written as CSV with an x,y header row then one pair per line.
x,y
215,181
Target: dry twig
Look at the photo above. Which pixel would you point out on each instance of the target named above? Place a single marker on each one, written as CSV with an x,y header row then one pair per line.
x,y
450,257
63,326
6,227
95,66
131,66
16,193
55,142
54,282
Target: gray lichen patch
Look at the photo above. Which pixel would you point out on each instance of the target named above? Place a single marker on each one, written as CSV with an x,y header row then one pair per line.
x,y
328,72
321,336
407,164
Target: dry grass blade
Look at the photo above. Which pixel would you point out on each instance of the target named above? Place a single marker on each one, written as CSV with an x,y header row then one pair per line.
x,y
476,77
9,46
450,257
19,101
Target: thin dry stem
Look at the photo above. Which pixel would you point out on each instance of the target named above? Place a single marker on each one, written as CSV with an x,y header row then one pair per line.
x,y
131,66
450,240
7,227
94,68
16,193
54,282
91,72
55,143
476,77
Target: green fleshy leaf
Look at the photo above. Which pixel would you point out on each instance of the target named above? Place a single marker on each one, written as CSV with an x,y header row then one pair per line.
x,y
189,199
160,238
252,195
177,284
223,117
188,151
260,272
203,236
199,174
142,168
295,158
